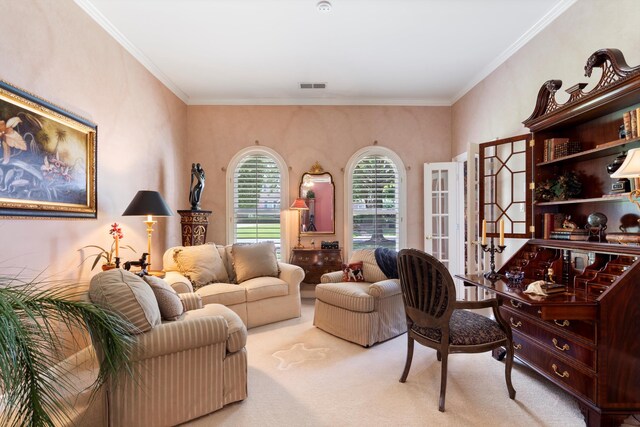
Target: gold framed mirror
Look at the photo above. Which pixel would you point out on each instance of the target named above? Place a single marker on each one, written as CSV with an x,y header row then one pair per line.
x,y
318,191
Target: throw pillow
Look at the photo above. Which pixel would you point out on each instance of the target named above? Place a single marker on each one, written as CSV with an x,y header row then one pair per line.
x,y
200,264
370,269
168,300
254,260
352,272
127,295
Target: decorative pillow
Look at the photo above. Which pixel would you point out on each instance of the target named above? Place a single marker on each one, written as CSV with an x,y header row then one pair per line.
x,y
370,269
168,300
200,264
127,295
255,260
352,272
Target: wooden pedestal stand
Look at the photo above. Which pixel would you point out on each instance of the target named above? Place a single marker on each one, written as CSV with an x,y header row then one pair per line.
x,y
194,226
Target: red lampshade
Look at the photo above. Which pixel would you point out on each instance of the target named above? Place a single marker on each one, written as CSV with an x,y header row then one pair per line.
x,y
299,204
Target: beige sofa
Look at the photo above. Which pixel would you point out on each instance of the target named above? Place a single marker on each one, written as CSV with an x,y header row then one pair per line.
x,y
258,300
364,312
184,368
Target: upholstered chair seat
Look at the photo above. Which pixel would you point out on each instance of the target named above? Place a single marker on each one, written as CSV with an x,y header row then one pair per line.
x,y
465,328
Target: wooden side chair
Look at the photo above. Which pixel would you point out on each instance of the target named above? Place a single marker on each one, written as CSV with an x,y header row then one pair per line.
x,y
436,320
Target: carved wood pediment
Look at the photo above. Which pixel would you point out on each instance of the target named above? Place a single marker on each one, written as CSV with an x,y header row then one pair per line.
x,y
615,73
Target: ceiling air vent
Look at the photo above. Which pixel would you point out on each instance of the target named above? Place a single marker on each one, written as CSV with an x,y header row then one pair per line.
x,y
313,85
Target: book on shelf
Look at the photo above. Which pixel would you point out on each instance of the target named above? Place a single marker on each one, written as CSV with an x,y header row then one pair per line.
x,y
626,119
634,123
577,234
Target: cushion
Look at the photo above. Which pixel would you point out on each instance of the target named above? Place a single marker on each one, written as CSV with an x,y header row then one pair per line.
x,y
465,328
350,296
227,260
260,288
128,296
352,272
222,293
371,271
200,264
169,302
254,260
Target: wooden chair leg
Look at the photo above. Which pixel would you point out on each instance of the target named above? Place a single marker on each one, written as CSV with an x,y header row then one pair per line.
x,y
507,370
438,355
407,364
443,380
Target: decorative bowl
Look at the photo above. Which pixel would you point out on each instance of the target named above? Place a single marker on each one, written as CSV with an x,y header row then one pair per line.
x,y
514,277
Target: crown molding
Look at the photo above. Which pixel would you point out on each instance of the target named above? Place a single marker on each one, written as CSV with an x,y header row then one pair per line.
x,y
547,19
97,16
323,101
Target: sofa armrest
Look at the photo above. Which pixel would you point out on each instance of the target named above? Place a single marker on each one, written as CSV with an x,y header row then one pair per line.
x,y
292,274
385,288
333,277
178,282
191,301
173,337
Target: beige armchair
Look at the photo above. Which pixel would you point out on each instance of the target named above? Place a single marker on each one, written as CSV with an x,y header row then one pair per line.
x,y
361,312
183,369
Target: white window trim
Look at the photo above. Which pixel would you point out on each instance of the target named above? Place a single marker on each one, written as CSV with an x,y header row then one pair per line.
x,y
284,182
348,194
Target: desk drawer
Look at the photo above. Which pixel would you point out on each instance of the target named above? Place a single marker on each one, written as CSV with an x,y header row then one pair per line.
x,y
549,339
553,367
583,328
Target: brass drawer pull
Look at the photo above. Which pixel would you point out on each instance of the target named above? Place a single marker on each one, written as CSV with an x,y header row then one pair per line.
x,y
564,323
565,374
515,325
565,347
516,304
517,346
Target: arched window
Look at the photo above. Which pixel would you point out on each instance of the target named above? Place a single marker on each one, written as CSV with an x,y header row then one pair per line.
x,y
256,177
375,200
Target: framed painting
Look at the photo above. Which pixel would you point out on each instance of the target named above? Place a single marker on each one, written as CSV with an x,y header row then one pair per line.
x,y
47,159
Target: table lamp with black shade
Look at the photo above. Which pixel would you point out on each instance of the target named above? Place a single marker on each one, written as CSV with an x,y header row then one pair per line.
x,y
149,204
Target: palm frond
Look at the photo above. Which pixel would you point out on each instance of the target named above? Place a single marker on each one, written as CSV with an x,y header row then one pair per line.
x,y
31,344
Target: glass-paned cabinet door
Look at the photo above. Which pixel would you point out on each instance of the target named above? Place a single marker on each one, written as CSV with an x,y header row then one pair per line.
x,y
443,214
504,192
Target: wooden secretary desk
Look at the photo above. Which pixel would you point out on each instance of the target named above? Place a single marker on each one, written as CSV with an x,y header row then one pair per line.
x,y
587,339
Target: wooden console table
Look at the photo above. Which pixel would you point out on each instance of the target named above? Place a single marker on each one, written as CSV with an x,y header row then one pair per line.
x,y
316,262
194,226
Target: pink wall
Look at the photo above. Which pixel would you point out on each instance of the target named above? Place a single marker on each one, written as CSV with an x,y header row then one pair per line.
x,y
327,134
55,50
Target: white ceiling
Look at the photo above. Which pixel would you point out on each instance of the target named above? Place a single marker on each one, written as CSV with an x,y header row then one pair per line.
x,y
368,52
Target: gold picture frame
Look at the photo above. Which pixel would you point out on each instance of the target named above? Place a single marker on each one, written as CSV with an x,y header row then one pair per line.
x,y
47,159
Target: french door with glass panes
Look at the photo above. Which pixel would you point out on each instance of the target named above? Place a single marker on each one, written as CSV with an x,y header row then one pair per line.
x,y
443,214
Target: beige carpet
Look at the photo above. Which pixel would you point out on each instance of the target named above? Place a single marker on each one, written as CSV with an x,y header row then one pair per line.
x,y
302,376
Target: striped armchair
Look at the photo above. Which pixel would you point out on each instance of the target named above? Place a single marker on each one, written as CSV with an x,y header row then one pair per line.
x,y
183,369
361,312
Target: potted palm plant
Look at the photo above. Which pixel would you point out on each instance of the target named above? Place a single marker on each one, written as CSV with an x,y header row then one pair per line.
x,y
31,319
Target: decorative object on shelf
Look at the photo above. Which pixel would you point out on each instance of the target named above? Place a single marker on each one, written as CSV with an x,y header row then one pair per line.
x,y
624,238
622,185
148,203
566,186
330,245
596,225
567,224
111,256
194,226
622,134
299,205
196,186
48,158
631,169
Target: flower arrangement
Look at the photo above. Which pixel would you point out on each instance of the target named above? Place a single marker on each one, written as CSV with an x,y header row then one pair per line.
x,y
113,253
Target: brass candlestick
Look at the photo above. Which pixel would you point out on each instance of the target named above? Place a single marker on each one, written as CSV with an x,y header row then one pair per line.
x,y
492,250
